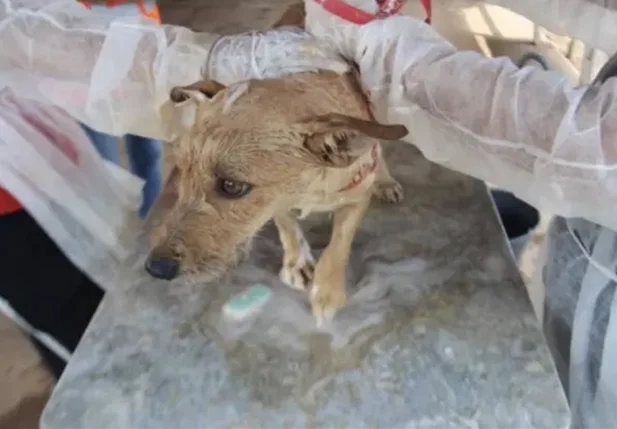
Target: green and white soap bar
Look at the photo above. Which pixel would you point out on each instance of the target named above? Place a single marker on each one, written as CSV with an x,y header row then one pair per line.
x,y
247,303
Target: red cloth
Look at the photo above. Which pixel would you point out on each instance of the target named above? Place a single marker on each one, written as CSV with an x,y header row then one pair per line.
x,y
354,15
43,120
8,204
153,14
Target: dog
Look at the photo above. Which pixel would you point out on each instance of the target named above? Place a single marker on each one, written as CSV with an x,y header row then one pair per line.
x,y
260,150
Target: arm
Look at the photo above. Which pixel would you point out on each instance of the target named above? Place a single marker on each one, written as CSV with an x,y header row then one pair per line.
x,y
115,76
527,131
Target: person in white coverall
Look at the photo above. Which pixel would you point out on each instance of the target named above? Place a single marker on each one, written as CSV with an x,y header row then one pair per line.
x,y
527,131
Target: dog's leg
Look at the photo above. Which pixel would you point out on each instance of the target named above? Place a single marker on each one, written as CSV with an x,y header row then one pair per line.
x,y
298,262
386,188
328,292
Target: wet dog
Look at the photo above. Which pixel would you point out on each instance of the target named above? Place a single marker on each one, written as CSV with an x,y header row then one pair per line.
x,y
261,150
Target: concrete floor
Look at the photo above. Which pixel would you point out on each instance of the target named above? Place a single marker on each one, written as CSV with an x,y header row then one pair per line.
x,y
25,383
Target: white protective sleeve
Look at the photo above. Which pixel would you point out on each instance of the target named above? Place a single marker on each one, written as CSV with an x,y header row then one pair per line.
x,y
527,131
115,74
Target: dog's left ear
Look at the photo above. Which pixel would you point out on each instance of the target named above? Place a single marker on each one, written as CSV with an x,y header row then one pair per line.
x,y
336,139
199,91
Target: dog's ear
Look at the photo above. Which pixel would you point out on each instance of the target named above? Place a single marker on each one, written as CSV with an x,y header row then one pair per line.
x,y
336,140
198,91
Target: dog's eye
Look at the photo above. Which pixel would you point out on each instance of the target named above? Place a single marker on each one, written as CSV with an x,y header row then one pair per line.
x,y
232,189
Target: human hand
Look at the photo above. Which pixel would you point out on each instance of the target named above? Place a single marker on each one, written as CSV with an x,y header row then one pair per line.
x,y
389,52
341,21
269,54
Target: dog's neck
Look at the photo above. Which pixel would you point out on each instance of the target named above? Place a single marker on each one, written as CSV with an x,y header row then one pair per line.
x,y
338,186
366,168
356,178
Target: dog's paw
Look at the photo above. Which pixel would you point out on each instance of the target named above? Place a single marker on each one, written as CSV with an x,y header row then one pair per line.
x,y
390,192
326,300
298,274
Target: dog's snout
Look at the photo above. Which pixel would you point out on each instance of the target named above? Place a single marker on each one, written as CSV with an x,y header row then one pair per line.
x,y
162,268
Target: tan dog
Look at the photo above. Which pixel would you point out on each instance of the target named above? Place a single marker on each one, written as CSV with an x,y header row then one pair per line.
x,y
259,150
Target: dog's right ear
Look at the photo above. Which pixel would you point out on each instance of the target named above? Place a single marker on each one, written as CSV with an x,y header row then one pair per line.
x,y
332,138
199,91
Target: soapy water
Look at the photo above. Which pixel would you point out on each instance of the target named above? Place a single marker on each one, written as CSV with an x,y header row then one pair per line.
x,y
382,294
279,351
287,316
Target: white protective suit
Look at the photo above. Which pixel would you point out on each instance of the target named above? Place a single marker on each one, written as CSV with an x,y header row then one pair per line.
x,y
527,131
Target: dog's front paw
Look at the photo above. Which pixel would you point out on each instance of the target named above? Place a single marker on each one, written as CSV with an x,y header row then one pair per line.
x,y
298,273
390,192
326,300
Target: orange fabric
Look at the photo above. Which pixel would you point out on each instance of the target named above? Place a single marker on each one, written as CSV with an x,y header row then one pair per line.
x,y
8,204
153,14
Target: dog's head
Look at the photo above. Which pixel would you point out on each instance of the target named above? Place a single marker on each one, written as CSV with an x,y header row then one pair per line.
x,y
253,151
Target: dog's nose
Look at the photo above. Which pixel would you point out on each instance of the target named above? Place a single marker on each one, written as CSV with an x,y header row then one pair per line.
x,y
162,268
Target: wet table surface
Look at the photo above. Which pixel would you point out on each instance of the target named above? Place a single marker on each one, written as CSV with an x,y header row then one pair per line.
x,y
438,332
